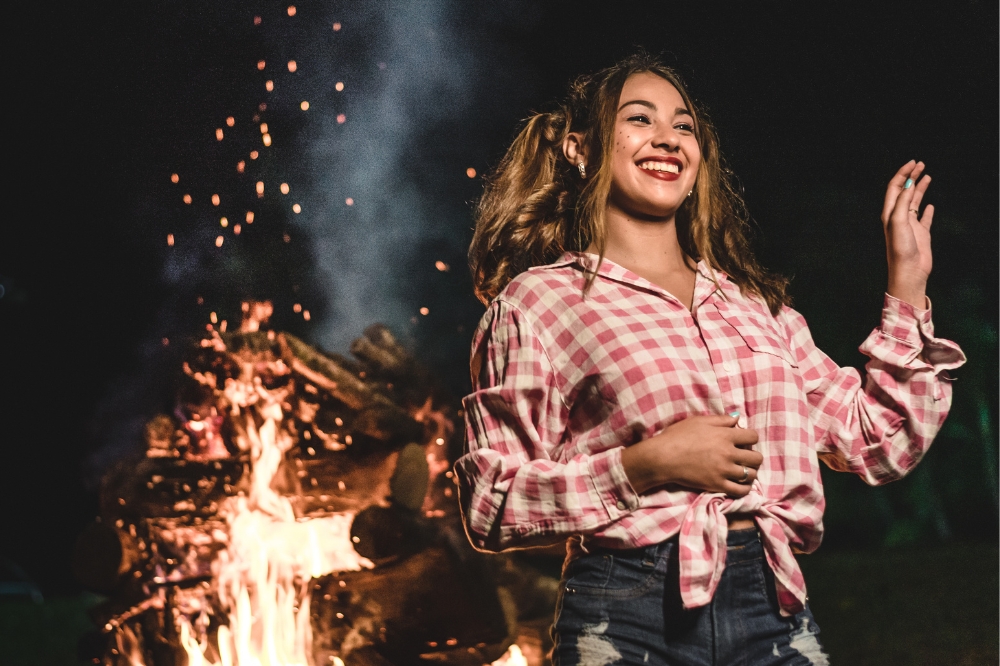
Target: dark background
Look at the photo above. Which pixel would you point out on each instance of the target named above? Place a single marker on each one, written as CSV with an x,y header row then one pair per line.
x,y
816,106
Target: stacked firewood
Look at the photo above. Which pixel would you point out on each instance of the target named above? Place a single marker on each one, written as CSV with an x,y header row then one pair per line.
x,y
373,436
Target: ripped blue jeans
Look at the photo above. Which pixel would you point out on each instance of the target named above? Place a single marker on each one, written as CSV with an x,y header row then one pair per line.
x,y
624,607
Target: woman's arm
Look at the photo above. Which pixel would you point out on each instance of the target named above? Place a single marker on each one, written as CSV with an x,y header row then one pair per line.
x,y
880,427
513,488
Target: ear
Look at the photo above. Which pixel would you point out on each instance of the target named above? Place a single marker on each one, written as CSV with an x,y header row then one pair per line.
x,y
574,148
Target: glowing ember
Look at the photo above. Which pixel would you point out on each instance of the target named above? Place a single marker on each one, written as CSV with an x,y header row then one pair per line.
x,y
441,266
241,166
284,188
266,139
187,198
254,154
216,200
341,118
291,10
263,128
304,105
470,172
237,229
170,240
219,241
260,64
224,222
306,315
292,66
260,188
339,86
230,121
174,178
214,318
297,308
249,217
256,20
296,209
219,134
349,201
336,27
269,85
425,311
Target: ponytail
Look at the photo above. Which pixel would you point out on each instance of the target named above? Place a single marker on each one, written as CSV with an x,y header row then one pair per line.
x,y
524,216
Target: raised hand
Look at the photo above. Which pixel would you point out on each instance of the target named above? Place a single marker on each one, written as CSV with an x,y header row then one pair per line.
x,y
701,452
908,234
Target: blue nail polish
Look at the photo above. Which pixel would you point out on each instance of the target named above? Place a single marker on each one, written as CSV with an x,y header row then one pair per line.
x,y
735,415
908,184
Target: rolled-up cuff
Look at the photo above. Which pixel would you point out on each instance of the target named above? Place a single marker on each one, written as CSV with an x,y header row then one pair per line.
x,y
611,483
903,324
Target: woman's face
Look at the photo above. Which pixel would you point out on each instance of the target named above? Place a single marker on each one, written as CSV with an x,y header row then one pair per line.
x,y
656,155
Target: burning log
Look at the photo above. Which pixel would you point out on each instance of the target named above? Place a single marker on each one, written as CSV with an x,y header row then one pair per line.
x,y
296,507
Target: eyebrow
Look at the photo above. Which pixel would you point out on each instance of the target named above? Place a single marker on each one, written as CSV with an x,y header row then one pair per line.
x,y
679,111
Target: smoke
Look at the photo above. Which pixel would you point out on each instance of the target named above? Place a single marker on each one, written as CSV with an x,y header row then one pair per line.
x,y
409,70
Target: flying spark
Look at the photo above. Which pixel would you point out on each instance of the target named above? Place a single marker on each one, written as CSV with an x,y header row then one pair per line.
x,y
218,243
291,10
253,154
284,188
296,209
349,201
249,217
269,85
292,66
216,200
218,134
341,119
470,172
261,64
304,105
170,240
336,27
174,178
267,139
441,266
224,222
230,121
187,198
339,86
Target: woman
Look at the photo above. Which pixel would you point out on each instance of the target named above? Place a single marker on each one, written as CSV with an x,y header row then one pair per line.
x,y
641,385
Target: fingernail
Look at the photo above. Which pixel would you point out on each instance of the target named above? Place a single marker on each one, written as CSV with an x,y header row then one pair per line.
x,y
908,184
735,415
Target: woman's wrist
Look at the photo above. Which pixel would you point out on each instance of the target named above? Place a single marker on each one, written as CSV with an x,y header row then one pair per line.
x,y
640,469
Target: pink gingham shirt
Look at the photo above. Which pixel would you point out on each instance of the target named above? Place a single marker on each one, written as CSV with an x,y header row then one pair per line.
x,y
562,383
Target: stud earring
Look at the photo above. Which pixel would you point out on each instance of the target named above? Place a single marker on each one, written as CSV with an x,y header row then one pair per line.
x,y
583,169
689,193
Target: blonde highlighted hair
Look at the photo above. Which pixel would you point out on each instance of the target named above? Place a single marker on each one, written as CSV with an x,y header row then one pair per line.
x,y
535,205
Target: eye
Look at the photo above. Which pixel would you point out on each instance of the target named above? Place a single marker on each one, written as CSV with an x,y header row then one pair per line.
x,y
639,118
684,127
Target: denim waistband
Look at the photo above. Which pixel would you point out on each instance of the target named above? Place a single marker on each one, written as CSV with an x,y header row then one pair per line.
x,y
741,544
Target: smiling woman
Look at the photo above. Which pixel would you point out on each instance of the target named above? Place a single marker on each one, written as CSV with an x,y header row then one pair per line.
x,y
643,391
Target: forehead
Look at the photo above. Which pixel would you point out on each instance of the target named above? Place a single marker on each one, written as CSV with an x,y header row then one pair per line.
x,y
651,88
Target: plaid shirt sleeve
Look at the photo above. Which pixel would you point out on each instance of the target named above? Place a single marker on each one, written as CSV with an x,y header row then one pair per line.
x,y
514,488
880,427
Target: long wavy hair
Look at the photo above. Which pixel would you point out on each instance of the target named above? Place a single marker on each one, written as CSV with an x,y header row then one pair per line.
x,y
536,206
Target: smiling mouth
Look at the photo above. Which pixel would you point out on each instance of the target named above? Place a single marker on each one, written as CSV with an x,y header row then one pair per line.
x,y
662,167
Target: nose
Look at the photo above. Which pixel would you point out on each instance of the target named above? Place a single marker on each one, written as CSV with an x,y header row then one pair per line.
x,y
667,137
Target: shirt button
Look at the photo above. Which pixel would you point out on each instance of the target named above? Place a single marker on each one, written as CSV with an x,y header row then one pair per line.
x,y
729,367
622,506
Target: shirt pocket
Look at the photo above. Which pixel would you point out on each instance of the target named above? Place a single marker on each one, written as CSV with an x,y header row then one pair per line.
x,y
757,331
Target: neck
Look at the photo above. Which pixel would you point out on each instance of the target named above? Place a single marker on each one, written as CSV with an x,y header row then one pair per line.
x,y
649,248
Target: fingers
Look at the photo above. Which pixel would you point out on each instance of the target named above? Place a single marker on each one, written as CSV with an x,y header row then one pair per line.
x,y
928,216
896,184
720,420
749,458
743,437
918,193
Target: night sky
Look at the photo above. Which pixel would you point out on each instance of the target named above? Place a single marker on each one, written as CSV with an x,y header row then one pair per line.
x,y
816,108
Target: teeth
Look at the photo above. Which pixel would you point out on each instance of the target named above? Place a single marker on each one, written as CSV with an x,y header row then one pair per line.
x,y
668,167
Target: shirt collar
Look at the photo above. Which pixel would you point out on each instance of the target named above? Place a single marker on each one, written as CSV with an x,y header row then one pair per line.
x,y
704,286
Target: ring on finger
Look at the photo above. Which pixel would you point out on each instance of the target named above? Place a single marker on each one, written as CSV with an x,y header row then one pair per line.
x,y
746,475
